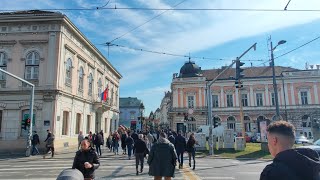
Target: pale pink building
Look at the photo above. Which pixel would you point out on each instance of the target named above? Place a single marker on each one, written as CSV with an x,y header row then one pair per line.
x,y
299,97
69,72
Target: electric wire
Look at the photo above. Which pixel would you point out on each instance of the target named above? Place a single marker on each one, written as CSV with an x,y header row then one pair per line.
x,y
172,54
167,9
298,47
154,17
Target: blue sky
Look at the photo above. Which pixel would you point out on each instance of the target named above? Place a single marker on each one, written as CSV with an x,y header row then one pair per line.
x,y
214,34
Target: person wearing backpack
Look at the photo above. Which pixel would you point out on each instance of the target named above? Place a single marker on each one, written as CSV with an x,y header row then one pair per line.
x,y
288,163
191,150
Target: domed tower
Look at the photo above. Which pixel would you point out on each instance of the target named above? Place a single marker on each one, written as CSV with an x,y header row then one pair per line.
x,y
190,69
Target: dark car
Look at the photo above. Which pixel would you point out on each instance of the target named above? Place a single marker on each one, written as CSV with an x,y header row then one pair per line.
x,y
315,146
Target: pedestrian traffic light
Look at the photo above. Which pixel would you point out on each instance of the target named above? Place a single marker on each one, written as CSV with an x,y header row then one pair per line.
x,y
28,121
239,71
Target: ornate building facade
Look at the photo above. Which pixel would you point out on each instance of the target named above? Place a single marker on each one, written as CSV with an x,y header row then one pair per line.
x,y
298,98
69,74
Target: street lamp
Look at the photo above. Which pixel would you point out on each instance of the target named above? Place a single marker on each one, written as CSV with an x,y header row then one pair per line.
x,y
141,108
275,88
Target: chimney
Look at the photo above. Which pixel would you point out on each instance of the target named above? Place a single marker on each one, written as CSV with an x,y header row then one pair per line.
x,y
318,66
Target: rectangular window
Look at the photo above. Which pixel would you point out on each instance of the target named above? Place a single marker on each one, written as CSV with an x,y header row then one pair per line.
x,y
247,127
229,100
231,126
273,99
244,99
304,97
32,72
0,121
88,123
259,99
131,116
190,101
78,123
65,123
191,128
215,101
3,75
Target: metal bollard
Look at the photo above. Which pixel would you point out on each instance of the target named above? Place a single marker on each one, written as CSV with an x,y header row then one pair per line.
x,y
70,174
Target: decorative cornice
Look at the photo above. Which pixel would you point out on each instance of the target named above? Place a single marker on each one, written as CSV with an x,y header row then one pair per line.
x,y
101,71
24,42
82,58
70,49
10,42
26,103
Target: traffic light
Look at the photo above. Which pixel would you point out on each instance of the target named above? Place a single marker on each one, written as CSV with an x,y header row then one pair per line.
x,y
239,74
28,121
215,123
186,118
238,84
24,124
239,71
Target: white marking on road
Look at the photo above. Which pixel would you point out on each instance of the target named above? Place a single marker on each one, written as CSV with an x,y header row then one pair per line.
x,y
220,178
250,173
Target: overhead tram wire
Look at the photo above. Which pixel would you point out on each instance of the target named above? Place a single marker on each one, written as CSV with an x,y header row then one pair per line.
x,y
172,54
298,47
154,17
164,9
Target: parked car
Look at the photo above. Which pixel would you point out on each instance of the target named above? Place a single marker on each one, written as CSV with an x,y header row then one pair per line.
x,y
315,146
302,140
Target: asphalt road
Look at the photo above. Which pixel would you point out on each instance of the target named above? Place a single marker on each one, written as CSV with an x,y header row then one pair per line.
x,y
119,167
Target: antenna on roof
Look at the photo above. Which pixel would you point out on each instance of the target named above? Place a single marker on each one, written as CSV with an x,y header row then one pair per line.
x,y
189,58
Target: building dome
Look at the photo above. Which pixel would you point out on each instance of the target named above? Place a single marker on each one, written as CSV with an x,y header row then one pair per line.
x,y
190,69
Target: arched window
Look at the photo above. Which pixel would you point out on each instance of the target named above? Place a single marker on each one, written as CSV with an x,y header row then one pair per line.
x,y
68,71
81,74
90,80
3,65
32,65
231,123
99,87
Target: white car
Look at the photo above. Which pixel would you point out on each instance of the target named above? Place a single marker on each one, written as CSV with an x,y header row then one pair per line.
x,y
315,146
302,140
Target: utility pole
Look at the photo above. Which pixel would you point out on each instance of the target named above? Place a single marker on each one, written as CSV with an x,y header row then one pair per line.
x,y
210,98
239,86
275,88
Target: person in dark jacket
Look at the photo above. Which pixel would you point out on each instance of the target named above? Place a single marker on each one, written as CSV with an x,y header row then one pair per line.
x,y
134,136
162,159
49,145
172,139
35,141
129,142
288,163
191,149
180,145
86,160
140,148
123,142
98,141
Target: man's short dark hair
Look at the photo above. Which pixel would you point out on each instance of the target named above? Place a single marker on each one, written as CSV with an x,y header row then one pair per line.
x,y
163,134
283,128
